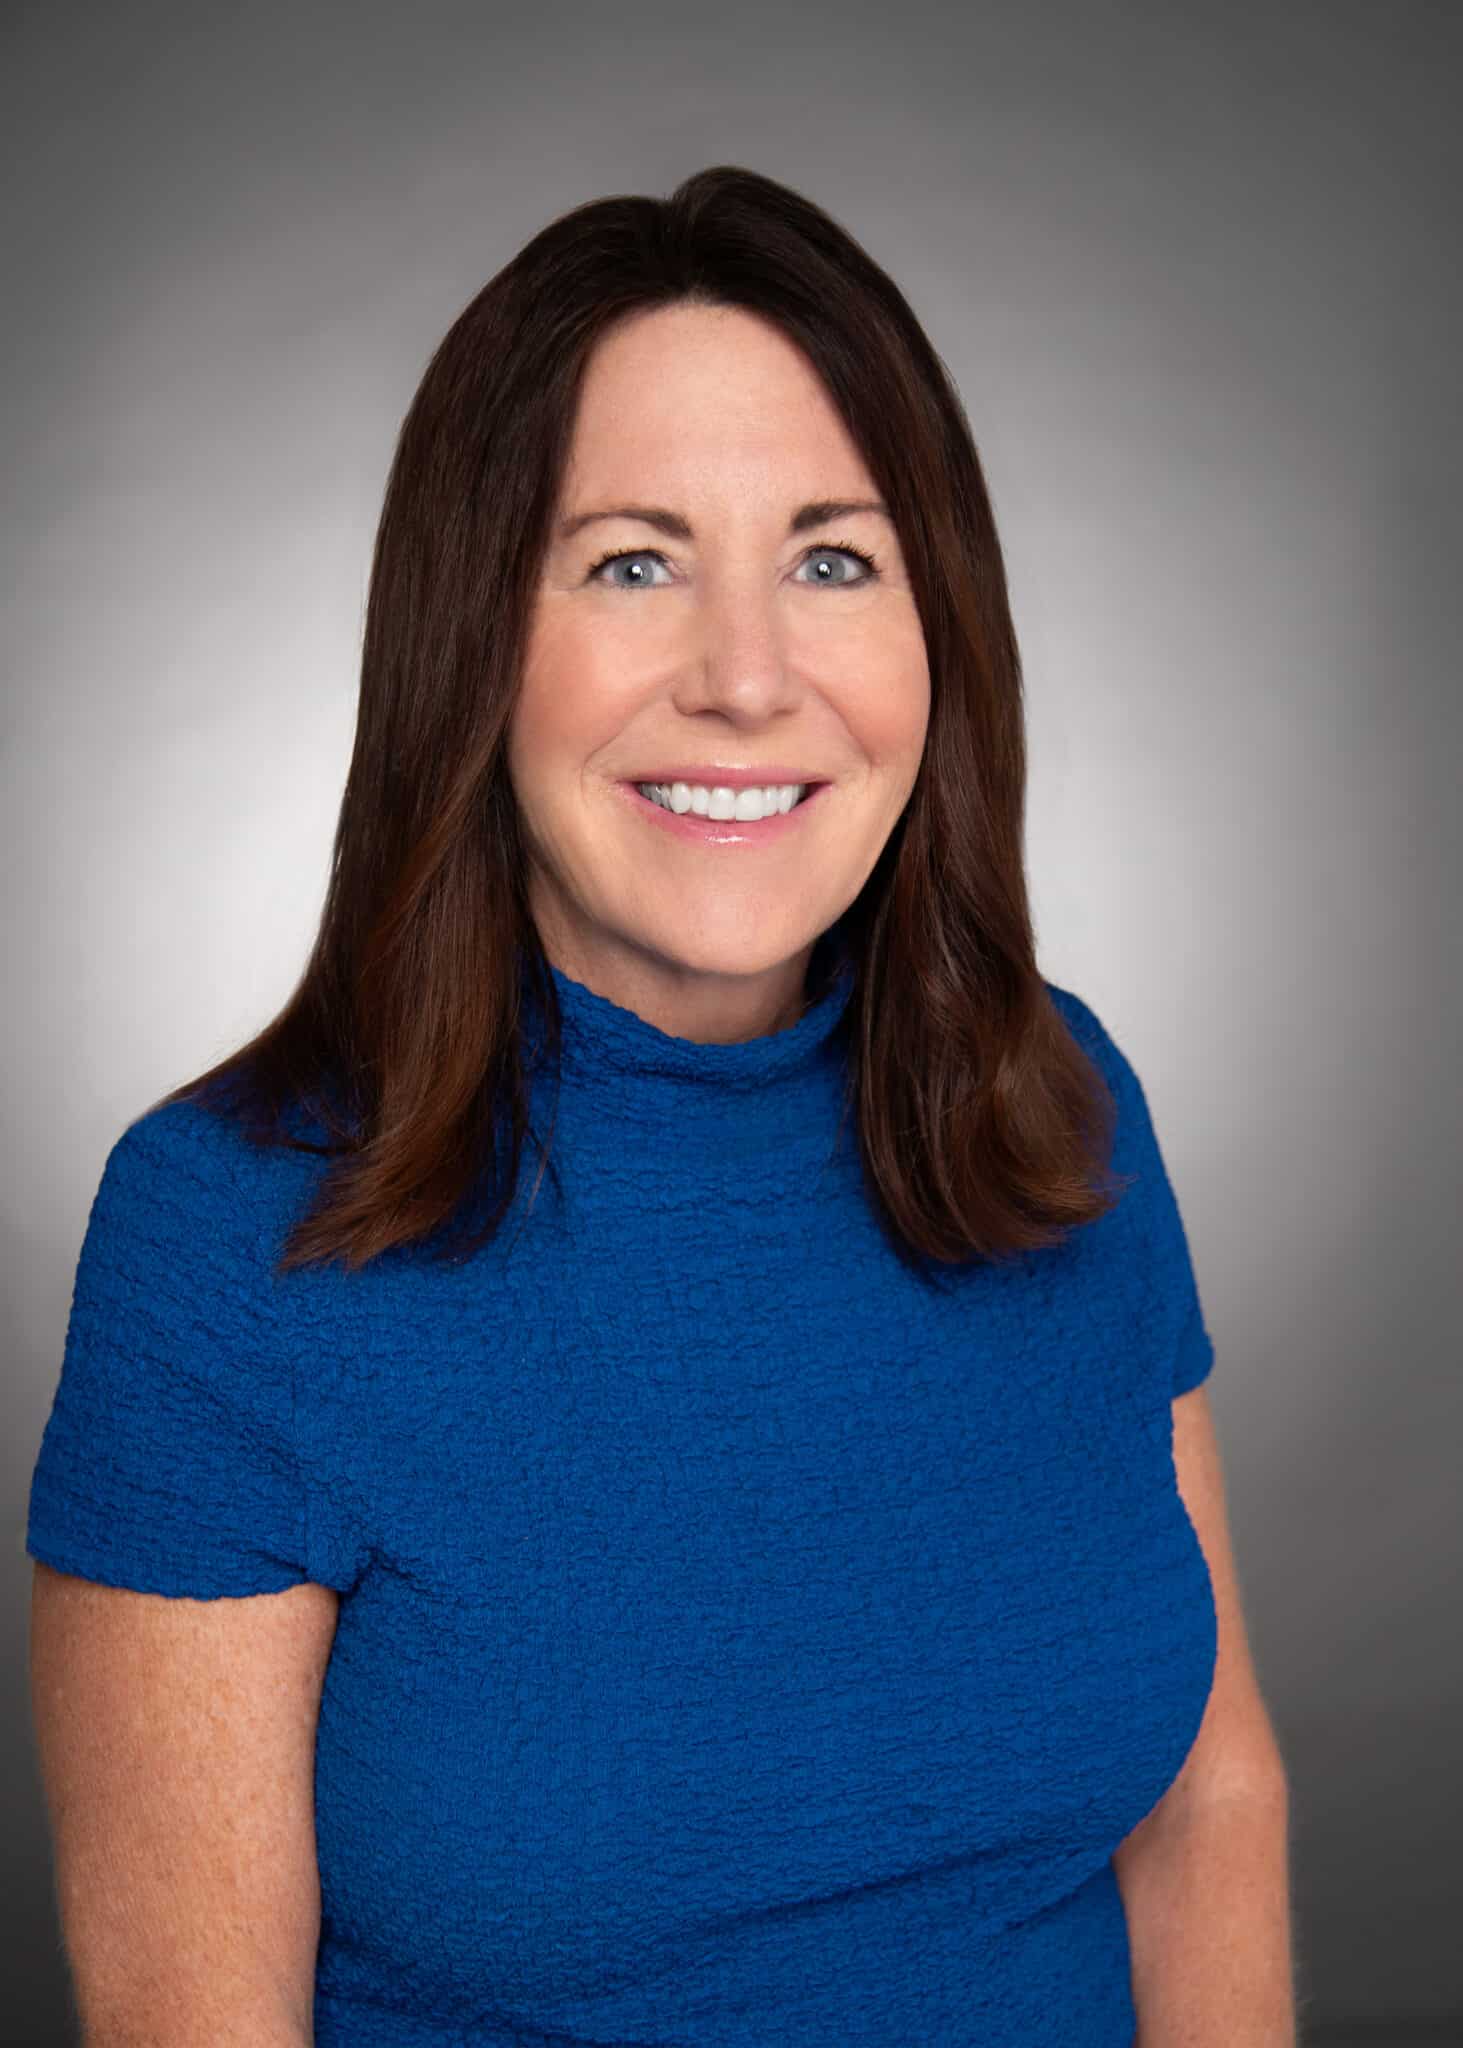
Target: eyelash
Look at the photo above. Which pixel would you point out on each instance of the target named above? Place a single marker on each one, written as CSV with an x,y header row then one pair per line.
x,y
839,547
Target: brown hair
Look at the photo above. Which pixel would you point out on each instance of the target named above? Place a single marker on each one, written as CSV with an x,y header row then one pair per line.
x,y
983,1124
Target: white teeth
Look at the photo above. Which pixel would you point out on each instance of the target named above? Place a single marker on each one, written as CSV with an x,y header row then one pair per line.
x,y
721,802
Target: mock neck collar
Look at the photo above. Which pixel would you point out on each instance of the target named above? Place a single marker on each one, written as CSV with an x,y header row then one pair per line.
x,y
608,1050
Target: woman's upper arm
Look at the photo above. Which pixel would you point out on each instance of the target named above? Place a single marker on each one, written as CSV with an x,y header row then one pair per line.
x,y
176,1744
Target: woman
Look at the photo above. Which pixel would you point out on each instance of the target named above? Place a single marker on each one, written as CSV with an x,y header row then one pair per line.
x,y
729,1583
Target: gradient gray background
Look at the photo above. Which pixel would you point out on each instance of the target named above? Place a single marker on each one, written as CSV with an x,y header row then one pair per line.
x,y
1194,269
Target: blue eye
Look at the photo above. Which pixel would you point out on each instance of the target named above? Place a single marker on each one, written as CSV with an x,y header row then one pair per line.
x,y
871,569
627,555
870,566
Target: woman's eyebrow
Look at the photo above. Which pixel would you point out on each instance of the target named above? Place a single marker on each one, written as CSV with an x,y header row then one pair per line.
x,y
676,527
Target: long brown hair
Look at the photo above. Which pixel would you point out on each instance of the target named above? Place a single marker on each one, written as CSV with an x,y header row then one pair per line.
x,y
984,1127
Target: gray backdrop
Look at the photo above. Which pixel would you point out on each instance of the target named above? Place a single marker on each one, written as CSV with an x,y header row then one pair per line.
x,y
1195,269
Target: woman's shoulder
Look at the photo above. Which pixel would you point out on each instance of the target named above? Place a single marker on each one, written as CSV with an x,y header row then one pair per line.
x,y
168,1461
185,1179
181,1141
170,1201
1090,1032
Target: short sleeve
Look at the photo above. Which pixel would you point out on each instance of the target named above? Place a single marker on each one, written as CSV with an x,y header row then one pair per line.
x,y
168,1461
1149,1223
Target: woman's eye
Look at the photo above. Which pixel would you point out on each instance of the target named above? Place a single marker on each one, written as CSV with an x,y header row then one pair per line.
x,y
865,562
626,555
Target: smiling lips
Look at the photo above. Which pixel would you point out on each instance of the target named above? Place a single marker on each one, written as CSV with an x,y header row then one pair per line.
x,y
709,790
756,801
718,814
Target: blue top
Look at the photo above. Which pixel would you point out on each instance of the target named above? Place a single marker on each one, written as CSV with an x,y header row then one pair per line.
x,y
741,1639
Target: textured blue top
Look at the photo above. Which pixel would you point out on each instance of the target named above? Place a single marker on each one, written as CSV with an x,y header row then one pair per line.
x,y
741,1640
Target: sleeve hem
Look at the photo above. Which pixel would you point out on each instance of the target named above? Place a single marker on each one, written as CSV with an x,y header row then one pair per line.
x,y
227,1580
1195,1356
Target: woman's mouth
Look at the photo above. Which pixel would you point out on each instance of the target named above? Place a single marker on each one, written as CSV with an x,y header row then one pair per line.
x,y
715,814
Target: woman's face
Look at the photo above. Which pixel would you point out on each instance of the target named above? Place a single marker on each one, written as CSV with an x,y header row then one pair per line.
x,y
744,646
